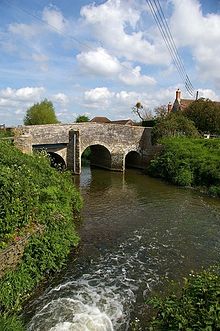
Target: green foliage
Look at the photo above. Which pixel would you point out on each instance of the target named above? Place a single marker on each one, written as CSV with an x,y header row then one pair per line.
x,y
12,323
197,307
41,113
82,118
205,114
33,193
6,133
86,155
173,125
149,123
189,162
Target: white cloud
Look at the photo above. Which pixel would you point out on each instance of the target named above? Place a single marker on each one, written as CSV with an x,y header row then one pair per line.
x,y
15,102
132,76
201,33
208,94
114,24
98,97
22,94
27,31
119,104
61,98
98,62
55,19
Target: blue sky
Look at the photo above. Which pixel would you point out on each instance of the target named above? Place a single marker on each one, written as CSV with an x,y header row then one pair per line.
x,y
100,57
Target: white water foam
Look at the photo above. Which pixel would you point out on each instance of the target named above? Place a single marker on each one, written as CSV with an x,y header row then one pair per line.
x,y
101,299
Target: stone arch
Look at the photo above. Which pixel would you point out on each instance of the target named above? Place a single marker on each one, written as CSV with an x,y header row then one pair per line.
x,y
100,156
133,160
56,160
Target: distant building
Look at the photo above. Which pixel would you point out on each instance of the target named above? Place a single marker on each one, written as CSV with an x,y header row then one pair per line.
x,y
100,119
179,104
123,122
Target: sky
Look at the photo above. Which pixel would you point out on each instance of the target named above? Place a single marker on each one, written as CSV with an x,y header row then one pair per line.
x,y
100,58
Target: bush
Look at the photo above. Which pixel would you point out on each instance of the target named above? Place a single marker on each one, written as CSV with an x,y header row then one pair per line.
x,y
34,193
189,162
197,307
173,125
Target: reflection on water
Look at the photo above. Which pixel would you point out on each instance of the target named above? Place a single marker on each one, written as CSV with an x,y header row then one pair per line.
x,y
136,231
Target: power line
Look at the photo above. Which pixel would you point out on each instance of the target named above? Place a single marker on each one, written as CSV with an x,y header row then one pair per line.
x,y
173,43
21,9
161,23
158,15
155,10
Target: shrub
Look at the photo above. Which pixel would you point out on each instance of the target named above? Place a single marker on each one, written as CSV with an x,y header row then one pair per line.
x,y
173,125
197,307
33,193
185,162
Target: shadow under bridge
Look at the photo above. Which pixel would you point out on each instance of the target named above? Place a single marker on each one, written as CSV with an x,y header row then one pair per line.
x,y
96,156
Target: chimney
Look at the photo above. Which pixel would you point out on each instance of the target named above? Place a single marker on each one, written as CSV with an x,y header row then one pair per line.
x,y
169,107
178,93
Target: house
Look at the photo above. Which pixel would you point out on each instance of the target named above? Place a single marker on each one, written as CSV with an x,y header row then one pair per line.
x,y
100,119
123,122
179,104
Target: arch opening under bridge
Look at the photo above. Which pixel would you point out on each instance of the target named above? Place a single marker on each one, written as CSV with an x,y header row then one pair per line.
x,y
133,160
96,156
56,161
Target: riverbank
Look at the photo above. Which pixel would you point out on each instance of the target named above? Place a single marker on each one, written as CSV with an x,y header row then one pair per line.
x,y
189,162
37,202
137,232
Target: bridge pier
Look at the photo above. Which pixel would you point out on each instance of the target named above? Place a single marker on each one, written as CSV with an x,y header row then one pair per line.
x,y
117,162
73,153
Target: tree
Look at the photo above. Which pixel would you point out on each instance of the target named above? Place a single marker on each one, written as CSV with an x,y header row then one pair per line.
x,y
205,114
41,113
161,111
82,118
142,113
174,125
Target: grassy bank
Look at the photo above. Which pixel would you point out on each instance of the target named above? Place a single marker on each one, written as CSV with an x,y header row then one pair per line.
x,y
33,195
189,162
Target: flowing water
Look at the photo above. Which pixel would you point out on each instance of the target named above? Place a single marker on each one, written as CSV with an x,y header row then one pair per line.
x,y
136,232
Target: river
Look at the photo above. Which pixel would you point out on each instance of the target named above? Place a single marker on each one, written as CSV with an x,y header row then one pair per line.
x,y
136,233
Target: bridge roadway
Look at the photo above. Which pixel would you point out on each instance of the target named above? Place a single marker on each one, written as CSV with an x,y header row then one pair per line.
x,y
113,146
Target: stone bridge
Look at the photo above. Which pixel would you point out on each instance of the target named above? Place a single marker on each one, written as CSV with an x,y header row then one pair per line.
x,y
113,146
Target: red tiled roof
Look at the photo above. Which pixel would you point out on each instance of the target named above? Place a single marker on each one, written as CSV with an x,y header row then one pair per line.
x,y
184,103
100,119
124,122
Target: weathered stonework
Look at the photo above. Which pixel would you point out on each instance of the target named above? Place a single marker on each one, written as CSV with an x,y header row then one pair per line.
x,y
24,143
111,143
11,256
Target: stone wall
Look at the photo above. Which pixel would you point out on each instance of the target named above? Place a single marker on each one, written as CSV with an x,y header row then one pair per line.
x,y
12,255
